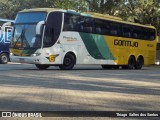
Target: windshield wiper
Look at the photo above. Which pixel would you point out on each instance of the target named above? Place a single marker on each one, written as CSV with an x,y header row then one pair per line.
x,y
22,37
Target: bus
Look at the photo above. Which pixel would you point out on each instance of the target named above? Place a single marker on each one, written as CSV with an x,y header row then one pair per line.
x,y
54,37
5,35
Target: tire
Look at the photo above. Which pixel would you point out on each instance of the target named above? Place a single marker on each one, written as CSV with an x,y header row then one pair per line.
x,y
139,62
68,62
131,63
42,67
4,58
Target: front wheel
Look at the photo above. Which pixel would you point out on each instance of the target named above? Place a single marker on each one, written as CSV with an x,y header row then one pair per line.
x,y
68,62
4,58
42,67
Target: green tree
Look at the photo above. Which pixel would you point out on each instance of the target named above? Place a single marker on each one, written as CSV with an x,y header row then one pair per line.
x,y
78,5
104,6
9,8
143,11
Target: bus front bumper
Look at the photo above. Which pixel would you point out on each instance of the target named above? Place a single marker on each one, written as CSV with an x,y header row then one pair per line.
x,y
35,60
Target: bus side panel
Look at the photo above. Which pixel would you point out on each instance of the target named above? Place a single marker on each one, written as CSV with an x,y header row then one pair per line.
x,y
89,48
123,48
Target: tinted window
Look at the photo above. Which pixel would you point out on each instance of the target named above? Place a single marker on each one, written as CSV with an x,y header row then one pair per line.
x,y
102,27
127,31
78,23
137,32
53,29
152,34
114,28
87,25
71,22
105,27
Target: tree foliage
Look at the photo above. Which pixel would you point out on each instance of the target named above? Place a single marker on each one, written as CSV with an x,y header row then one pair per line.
x,y
144,11
104,6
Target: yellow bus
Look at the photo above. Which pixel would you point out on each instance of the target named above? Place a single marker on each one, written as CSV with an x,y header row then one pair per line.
x,y
54,37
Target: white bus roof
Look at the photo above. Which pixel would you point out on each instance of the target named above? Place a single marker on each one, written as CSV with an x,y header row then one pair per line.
x,y
91,14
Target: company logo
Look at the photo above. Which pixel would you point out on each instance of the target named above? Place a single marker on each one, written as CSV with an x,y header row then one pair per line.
x,y
125,43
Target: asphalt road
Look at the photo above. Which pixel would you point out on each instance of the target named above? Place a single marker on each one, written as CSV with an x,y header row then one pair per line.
x,y
86,88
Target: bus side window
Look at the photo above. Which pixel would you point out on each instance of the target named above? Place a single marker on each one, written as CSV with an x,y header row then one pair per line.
x,y
114,28
87,25
137,33
152,34
68,24
127,31
98,30
101,27
72,22
146,34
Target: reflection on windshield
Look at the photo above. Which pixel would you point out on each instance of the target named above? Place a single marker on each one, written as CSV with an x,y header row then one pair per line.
x,y
25,37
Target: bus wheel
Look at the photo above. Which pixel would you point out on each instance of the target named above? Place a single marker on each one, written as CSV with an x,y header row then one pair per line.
x,y
4,58
68,62
139,62
42,67
131,62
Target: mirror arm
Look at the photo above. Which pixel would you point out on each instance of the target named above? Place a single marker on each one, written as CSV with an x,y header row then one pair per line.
x,y
38,27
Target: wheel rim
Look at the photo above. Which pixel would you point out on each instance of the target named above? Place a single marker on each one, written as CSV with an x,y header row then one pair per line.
x,y
67,61
4,58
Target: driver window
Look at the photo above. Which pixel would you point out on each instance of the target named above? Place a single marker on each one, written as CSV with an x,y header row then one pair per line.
x,y
53,29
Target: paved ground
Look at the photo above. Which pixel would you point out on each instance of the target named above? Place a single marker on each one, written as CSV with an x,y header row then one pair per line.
x,y
86,88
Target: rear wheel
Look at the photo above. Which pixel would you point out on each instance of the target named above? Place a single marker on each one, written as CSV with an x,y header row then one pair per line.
x,y
4,58
42,67
68,62
139,62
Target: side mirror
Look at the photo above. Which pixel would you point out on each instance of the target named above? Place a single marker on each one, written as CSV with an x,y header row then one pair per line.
x,y
38,27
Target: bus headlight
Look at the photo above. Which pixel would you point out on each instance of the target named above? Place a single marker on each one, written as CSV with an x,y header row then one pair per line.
x,y
35,54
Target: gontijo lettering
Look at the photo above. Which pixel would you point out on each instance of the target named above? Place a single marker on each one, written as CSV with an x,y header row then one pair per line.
x,y
125,43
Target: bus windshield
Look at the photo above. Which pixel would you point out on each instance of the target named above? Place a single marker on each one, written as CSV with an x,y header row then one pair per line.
x,y
24,34
30,17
